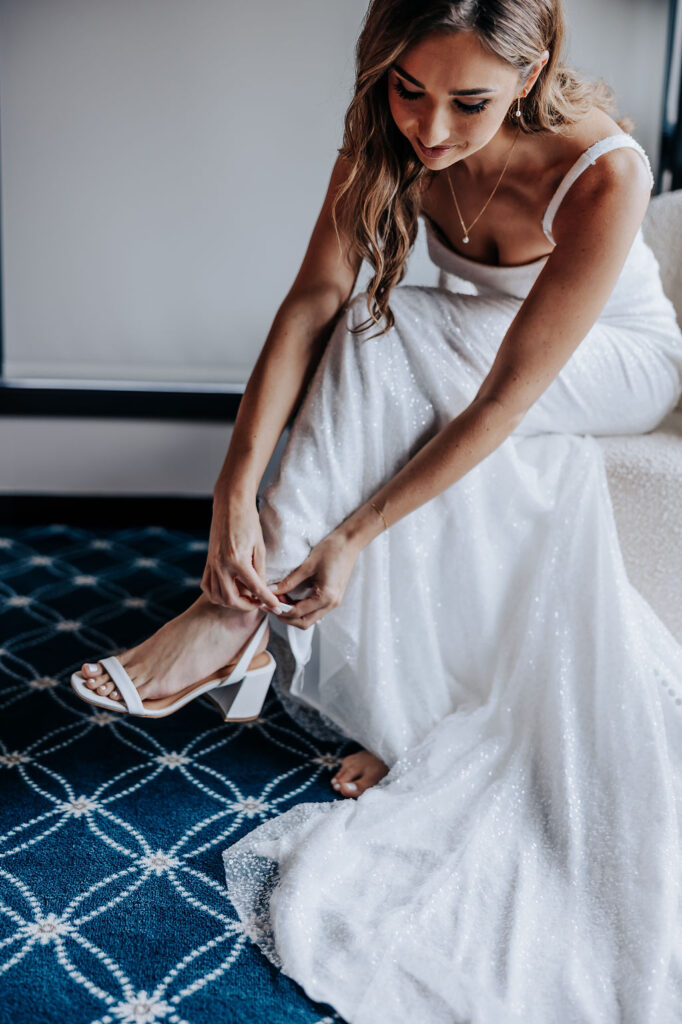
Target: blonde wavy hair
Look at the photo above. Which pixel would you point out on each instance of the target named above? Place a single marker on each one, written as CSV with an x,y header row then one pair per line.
x,y
381,204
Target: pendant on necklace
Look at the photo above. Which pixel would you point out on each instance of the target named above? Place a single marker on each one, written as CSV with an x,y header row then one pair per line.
x,y
466,238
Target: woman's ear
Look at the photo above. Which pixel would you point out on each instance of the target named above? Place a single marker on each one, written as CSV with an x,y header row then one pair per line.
x,y
536,70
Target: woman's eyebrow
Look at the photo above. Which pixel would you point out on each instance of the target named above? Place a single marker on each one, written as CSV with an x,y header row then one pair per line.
x,y
453,92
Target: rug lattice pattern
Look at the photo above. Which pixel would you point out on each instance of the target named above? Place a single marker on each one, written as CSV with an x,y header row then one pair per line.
x,y
113,908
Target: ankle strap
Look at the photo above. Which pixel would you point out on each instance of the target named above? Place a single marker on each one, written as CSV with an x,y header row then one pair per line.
x,y
239,670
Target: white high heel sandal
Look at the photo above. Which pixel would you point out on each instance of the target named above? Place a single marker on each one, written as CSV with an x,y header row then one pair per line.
x,y
242,703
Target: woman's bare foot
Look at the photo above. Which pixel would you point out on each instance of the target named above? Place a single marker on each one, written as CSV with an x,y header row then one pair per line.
x,y
203,642
358,772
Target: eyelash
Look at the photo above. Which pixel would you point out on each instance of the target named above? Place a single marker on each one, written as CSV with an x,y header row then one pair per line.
x,y
467,108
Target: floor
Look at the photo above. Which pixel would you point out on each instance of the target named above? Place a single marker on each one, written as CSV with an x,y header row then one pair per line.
x,y
113,908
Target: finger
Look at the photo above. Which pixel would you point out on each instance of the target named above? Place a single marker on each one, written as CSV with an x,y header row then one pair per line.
x,y
230,596
210,593
254,582
210,585
296,576
242,588
259,559
215,586
247,594
306,606
206,584
236,598
306,621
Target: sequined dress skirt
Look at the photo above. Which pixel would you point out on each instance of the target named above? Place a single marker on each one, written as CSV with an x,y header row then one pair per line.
x,y
521,860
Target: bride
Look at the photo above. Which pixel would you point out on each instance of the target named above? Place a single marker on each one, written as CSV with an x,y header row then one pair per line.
x,y
441,517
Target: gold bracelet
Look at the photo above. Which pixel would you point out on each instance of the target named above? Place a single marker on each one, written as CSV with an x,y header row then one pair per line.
x,y
372,505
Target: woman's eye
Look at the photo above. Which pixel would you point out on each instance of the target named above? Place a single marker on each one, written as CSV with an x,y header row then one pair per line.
x,y
405,93
466,108
472,108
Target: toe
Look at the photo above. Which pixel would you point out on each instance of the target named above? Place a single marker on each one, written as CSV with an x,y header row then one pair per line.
x,y
349,770
103,679
348,781
104,689
357,773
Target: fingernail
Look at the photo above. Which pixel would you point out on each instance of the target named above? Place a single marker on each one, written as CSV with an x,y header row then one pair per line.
x,y
351,786
285,607
277,611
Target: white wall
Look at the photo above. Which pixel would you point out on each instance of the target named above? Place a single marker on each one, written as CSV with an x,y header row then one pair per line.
x,y
114,456
623,41
109,456
163,163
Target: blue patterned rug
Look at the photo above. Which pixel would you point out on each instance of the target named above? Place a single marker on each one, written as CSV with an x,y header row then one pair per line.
x,y
113,907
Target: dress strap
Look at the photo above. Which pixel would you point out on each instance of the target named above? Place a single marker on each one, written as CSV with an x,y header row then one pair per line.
x,y
590,156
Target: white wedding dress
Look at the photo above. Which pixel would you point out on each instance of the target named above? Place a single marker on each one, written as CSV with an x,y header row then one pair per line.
x,y
521,860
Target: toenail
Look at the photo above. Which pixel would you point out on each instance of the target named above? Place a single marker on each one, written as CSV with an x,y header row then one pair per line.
x,y
350,785
102,687
92,668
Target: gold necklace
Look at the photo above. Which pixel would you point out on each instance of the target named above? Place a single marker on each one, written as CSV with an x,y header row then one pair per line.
x,y
466,229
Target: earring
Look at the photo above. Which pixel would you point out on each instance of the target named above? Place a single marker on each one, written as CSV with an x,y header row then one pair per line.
x,y
518,106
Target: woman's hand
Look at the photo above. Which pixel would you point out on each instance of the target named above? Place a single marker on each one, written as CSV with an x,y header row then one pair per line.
x,y
327,569
234,575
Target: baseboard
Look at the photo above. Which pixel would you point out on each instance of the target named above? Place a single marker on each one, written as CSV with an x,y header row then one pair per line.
x,y
218,406
104,512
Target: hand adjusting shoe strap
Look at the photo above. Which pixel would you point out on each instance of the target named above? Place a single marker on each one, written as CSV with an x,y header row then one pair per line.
x,y
126,687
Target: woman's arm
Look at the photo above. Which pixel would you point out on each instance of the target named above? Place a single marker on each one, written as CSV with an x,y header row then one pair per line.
x,y
594,229
234,573
292,350
293,347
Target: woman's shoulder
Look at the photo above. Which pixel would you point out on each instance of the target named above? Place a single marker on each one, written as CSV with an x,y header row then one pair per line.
x,y
584,135
573,140
624,163
618,184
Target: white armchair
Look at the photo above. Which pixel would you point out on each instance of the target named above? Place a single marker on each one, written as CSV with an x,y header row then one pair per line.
x,y
644,471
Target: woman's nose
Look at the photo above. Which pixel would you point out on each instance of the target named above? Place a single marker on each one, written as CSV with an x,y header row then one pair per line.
x,y
435,130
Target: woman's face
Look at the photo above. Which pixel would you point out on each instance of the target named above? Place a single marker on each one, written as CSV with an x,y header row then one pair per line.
x,y
449,95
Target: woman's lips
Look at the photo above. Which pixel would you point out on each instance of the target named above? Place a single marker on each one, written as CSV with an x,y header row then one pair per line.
x,y
434,150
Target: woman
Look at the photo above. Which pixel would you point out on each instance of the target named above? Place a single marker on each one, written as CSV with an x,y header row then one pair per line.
x,y
441,502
